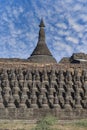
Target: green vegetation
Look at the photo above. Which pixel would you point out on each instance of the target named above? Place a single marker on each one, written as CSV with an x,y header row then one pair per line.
x,y
82,123
45,123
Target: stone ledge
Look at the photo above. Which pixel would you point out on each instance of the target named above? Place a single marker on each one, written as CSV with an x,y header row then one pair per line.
x,y
36,114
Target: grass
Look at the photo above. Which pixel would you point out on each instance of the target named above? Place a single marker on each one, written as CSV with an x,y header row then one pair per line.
x,y
71,125
47,123
82,123
16,125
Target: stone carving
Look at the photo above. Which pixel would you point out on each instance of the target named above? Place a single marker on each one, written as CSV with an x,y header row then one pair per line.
x,y
69,90
84,82
22,101
1,99
45,78
28,78
43,89
56,102
20,78
51,95
52,84
45,101
13,79
78,90
16,91
11,101
37,78
61,93
6,90
33,96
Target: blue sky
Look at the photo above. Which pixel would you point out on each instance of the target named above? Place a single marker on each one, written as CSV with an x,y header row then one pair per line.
x,y
65,20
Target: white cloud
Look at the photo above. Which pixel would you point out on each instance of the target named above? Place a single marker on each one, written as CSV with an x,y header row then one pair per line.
x,y
83,17
72,39
61,46
61,25
74,25
77,7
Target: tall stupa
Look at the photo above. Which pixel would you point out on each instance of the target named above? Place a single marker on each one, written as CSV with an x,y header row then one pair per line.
x,y
41,53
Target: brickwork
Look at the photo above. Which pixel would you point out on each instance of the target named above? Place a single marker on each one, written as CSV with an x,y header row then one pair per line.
x,y
31,93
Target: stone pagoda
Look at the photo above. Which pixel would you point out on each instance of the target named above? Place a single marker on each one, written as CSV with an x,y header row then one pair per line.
x,y
41,53
30,91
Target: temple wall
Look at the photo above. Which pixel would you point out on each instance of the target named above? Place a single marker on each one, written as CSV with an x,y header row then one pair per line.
x,y
32,93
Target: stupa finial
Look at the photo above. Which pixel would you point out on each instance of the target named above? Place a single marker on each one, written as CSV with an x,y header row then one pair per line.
x,y
42,23
41,38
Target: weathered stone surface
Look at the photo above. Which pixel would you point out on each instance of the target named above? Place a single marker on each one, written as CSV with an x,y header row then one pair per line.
x,y
75,58
38,86
39,91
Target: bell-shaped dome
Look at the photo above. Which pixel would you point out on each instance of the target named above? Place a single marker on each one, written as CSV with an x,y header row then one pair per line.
x,y
41,53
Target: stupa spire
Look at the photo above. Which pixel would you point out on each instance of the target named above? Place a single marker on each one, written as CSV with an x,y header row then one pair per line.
x,y
41,31
41,53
